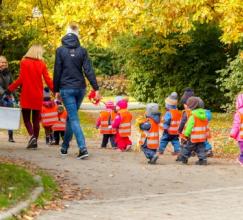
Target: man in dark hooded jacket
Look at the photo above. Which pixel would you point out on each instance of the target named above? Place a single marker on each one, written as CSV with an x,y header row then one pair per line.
x,y
72,65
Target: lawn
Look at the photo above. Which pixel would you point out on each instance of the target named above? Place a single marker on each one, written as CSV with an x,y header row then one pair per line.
x,y
15,184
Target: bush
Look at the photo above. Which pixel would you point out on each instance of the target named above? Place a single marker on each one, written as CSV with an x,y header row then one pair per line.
x,y
230,80
155,71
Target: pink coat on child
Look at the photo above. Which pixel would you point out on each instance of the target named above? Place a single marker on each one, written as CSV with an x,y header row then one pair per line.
x,y
235,131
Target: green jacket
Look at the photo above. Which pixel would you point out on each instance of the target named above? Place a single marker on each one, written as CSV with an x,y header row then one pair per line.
x,y
198,113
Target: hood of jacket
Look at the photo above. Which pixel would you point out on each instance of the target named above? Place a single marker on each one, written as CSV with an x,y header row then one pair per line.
x,y
200,113
239,101
155,117
70,41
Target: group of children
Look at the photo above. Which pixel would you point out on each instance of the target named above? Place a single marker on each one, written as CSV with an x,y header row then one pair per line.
x,y
115,123
53,118
187,131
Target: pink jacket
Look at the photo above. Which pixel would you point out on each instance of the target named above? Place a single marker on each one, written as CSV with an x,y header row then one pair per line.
x,y
235,131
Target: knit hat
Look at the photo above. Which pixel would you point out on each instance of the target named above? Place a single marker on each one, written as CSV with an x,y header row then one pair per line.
x,y
152,108
172,99
193,102
201,103
46,93
122,104
188,92
109,105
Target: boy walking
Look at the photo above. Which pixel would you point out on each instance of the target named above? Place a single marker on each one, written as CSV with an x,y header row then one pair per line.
x,y
195,132
149,126
170,125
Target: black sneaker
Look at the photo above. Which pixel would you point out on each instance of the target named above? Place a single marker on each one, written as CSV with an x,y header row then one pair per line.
x,y
82,154
201,162
32,143
184,159
63,152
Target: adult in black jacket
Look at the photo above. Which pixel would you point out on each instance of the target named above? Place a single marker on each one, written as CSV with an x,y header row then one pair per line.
x,y
72,64
5,81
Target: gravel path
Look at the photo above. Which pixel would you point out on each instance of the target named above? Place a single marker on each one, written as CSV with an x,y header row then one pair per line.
x,y
124,186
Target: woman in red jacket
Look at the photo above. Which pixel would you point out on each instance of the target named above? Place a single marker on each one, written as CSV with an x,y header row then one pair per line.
x,y
32,72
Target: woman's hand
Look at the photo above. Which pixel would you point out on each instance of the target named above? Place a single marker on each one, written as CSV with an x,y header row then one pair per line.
x,y
97,95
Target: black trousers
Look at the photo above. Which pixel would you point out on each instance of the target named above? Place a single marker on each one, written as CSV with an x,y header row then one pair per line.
x,y
106,138
57,135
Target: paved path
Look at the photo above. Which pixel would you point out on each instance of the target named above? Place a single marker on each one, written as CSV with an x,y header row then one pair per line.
x,y
125,187
90,106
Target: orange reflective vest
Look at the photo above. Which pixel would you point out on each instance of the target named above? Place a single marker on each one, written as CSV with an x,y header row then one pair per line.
x,y
125,126
200,130
106,119
151,136
49,116
175,122
60,125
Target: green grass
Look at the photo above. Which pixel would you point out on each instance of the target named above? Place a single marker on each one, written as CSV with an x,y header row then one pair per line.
x,y
15,184
51,189
87,121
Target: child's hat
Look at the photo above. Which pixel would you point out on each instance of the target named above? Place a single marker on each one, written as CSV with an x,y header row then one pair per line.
x,y
188,92
201,103
152,108
122,104
109,105
46,92
193,102
172,99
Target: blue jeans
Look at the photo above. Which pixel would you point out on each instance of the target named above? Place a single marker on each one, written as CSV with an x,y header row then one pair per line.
x,y
72,99
166,138
149,153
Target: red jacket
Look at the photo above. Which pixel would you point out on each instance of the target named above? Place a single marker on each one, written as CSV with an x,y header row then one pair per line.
x,y
32,72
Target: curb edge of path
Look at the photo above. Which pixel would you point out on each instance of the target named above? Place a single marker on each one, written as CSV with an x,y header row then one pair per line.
x,y
25,204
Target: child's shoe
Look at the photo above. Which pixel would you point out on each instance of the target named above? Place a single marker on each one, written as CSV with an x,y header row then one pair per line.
x,y
153,159
209,153
128,147
179,158
201,162
183,159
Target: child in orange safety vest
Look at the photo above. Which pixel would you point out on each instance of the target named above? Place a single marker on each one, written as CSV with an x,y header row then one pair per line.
x,y
49,115
149,130
195,132
59,127
170,124
104,124
122,123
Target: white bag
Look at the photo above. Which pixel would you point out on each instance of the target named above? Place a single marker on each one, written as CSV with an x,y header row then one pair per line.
x,y
10,118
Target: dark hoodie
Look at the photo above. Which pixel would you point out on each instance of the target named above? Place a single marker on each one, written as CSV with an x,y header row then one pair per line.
x,y
71,61
146,126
